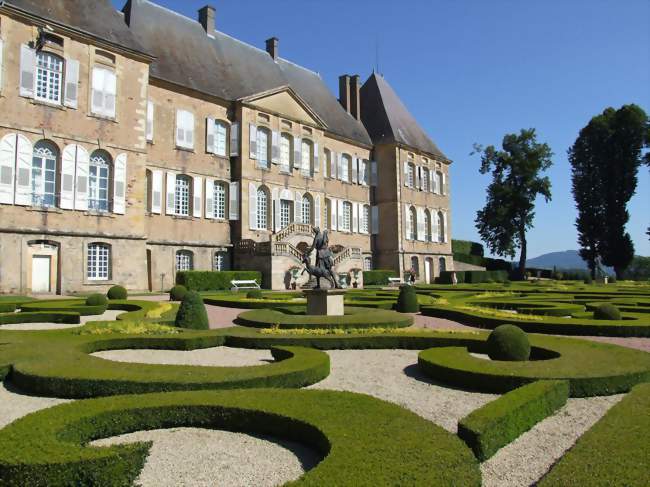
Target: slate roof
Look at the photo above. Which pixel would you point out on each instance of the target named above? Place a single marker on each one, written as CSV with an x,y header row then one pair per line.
x,y
389,121
97,18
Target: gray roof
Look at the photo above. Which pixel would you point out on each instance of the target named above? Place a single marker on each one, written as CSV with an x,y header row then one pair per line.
x,y
97,18
228,68
389,121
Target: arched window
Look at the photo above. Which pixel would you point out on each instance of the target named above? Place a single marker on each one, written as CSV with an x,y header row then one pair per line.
x,y
98,261
329,173
285,152
262,211
427,226
99,173
307,158
220,261
425,178
44,170
182,195
415,265
328,214
184,260
442,264
263,146
346,166
413,222
347,216
367,263
441,227
220,200
306,209
220,138
364,223
49,77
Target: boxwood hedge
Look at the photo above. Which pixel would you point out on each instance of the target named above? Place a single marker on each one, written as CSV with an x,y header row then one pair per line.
x,y
214,280
377,277
76,305
496,424
69,317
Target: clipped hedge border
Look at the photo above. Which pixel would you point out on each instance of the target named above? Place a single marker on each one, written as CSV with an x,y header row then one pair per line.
x,y
390,445
499,422
615,451
7,307
214,280
76,305
68,317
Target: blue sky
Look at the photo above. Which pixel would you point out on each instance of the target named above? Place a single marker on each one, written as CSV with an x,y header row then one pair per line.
x,y
473,70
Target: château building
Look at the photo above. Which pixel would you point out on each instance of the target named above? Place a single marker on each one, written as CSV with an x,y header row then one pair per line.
x,y
137,143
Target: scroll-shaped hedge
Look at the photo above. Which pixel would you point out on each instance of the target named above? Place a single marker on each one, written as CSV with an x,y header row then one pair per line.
x,y
69,317
496,424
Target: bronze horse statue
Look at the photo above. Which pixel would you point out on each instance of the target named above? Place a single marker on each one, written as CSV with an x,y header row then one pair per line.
x,y
319,272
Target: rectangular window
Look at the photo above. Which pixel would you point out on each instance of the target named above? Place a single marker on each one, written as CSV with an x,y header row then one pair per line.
x,y
184,129
425,179
220,201
219,262
285,152
49,77
104,90
345,168
365,218
347,215
182,196
285,213
184,260
411,176
98,262
221,136
263,148
307,164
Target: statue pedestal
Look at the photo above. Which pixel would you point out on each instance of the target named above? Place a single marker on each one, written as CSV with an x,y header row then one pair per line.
x,y
324,302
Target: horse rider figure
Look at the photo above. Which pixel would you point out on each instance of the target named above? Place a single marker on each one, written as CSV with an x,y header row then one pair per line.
x,y
324,258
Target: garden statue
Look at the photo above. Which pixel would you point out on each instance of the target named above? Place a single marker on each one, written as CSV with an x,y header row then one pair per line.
x,y
324,260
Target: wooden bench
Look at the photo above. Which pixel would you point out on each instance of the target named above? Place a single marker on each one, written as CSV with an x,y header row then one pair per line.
x,y
394,281
244,284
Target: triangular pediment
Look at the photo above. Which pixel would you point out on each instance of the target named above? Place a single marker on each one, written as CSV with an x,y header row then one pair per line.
x,y
286,102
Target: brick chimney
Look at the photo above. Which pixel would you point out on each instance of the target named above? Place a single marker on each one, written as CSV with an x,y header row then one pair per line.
x,y
207,16
355,96
344,91
272,47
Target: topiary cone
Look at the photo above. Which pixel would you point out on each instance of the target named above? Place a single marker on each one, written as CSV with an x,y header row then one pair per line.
x,y
191,313
407,301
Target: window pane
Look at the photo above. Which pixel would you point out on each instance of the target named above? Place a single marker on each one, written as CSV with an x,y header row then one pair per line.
x,y
98,261
98,182
219,200
262,210
182,196
49,70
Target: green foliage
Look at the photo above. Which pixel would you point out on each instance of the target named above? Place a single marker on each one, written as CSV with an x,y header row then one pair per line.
x,y
117,292
588,280
407,301
607,311
7,307
516,183
473,277
496,424
615,451
469,259
254,294
377,277
467,247
214,280
79,306
68,317
126,328
177,293
96,300
191,313
508,342
639,268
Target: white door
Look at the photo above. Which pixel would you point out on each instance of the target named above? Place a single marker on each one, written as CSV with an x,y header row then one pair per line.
x,y
41,265
427,271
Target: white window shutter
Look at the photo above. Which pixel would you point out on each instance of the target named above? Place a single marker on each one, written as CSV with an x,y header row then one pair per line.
x,y
252,141
170,208
333,165
234,139
339,166
27,68
68,163
443,190
275,197
434,225
209,135
420,229
252,206
24,154
180,130
374,211
317,211
81,185
444,221
189,130
1,52
156,191
406,174
355,170
119,184
150,118
7,168
407,218
334,211
209,198
297,153
197,189
233,202
316,158
110,93
340,214
355,217
71,82
297,208
97,91
275,147
373,173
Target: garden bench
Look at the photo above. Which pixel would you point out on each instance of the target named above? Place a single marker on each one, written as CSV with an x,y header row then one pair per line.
x,y
244,284
394,281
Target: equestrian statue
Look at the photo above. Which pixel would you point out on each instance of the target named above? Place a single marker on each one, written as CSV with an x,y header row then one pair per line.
x,y
324,259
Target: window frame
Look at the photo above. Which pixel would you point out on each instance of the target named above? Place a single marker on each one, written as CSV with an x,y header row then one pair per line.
x,y
180,257
262,212
347,216
48,71
306,206
265,161
103,111
95,253
221,136
43,145
286,167
220,190
182,195
94,181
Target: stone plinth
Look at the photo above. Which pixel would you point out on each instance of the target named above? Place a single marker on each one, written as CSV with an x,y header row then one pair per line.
x,y
324,302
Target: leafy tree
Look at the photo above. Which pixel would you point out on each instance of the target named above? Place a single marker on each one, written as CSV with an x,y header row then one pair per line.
x,y
605,160
639,269
516,182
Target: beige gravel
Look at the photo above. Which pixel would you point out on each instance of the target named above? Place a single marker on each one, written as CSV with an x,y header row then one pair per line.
x,y
109,315
202,457
214,356
14,404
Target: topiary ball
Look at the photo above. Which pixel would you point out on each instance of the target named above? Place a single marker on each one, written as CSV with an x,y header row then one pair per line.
x,y
177,293
117,292
407,301
607,311
96,300
191,313
254,294
508,342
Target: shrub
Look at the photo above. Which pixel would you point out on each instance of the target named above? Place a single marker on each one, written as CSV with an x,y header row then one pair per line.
x,y
96,300
508,342
469,259
407,301
214,280
612,279
177,293
588,280
377,277
254,294
192,313
607,311
117,292
467,247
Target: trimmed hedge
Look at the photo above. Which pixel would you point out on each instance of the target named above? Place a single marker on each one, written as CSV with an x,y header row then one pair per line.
x,y
499,422
191,313
469,259
68,317
117,292
467,247
177,292
362,441
96,300
509,343
214,280
472,277
7,307
607,311
72,305
377,277
615,451
407,300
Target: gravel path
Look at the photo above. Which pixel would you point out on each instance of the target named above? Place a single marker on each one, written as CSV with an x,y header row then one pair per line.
x,y
14,404
524,461
200,457
214,356
109,315
392,375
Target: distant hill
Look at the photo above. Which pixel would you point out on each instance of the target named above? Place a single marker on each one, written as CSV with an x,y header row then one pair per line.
x,y
569,259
